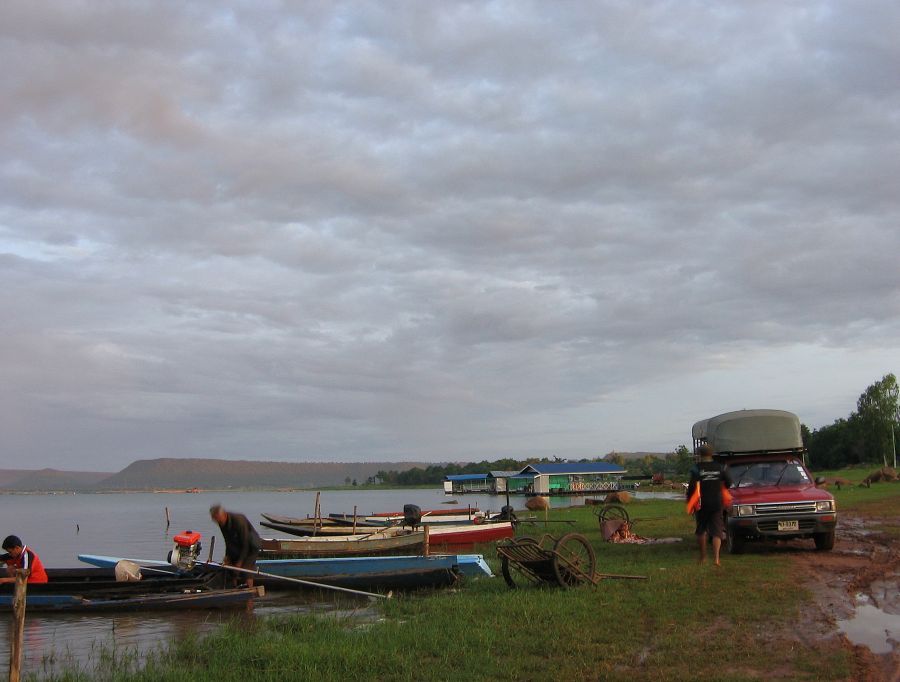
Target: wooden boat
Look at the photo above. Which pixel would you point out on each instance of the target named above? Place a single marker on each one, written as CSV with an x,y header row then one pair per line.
x,y
317,531
381,542
388,572
427,519
450,511
440,535
96,589
324,522
470,534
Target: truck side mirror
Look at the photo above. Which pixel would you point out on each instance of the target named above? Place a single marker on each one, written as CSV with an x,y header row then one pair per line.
x,y
820,480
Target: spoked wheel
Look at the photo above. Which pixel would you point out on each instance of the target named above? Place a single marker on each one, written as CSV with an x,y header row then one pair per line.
x,y
613,512
575,561
507,571
511,573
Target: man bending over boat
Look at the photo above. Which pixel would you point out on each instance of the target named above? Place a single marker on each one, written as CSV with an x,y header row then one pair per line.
x,y
242,542
18,557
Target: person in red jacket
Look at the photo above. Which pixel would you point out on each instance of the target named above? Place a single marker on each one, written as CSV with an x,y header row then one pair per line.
x,y
20,557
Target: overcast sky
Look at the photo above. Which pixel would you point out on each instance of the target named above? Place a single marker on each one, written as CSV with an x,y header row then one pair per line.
x,y
438,230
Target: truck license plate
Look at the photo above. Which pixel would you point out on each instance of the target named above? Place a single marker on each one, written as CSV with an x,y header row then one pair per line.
x,y
788,525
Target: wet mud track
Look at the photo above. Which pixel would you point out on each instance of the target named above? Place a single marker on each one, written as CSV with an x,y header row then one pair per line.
x,y
856,592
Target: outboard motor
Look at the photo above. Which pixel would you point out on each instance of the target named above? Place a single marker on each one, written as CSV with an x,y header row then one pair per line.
x,y
507,513
412,515
186,550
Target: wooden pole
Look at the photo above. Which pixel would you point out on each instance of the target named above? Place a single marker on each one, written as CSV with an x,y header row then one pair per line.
x,y
17,645
427,537
354,519
298,581
318,510
212,544
167,518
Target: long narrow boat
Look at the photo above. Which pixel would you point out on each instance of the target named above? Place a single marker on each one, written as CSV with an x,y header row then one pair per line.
x,y
315,531
440,535
388,572
446,511
96,589
382,542
324,522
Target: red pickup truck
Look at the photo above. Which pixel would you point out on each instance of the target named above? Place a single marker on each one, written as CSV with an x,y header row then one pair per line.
x,y
773,493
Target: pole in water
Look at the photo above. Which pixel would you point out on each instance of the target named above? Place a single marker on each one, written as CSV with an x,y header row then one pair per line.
x,y
17,645
354,519
167,518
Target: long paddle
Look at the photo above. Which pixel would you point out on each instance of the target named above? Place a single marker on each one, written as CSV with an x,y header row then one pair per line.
x,y
371,595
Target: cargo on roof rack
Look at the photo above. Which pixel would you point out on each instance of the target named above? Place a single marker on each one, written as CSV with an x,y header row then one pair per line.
x,y
749,432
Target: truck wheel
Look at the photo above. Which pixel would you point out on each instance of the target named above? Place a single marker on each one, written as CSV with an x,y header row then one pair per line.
x,y
734,542
824,541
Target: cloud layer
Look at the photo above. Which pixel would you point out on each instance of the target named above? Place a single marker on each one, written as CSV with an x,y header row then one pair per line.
x,y
438,230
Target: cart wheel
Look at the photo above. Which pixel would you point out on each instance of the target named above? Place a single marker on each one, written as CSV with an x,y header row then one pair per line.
x,y
506,570
509,568
613,512
574,561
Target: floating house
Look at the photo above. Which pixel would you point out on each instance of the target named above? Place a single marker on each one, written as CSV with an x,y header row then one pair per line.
x,y
468,483
547,478
572,478
510,481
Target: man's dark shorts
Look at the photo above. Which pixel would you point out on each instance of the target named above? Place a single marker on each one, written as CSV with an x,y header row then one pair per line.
x,y
710,522
248,564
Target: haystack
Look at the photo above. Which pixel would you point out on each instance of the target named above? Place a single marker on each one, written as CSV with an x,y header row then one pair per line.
x,y
537,504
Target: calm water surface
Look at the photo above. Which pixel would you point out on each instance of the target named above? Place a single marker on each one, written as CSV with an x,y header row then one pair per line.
x,y
59,527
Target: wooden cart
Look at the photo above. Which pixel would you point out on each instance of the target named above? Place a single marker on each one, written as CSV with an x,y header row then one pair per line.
x,y
568,561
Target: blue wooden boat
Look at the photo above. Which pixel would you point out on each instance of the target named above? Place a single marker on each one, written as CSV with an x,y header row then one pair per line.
x,y
391,572
86,589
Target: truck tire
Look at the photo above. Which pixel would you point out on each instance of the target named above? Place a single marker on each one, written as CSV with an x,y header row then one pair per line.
x,y
824,541
734,542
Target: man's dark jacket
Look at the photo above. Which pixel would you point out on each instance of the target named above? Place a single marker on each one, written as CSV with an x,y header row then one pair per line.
x,y
241,539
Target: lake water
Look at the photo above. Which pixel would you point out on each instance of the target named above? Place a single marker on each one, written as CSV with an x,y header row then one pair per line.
x,y
59,527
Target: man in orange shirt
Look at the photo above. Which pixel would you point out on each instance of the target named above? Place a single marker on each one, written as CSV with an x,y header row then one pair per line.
x,y
18,557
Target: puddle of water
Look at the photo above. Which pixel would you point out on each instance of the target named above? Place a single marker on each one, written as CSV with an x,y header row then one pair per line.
x,y
871,627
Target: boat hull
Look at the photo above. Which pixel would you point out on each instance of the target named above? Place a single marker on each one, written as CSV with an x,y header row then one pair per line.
x,y
373,544
97,590
390,572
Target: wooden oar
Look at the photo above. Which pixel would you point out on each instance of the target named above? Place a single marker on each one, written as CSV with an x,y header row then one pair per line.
x,y
308,583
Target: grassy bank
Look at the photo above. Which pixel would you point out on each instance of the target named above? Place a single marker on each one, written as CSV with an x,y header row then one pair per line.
x,y
684,622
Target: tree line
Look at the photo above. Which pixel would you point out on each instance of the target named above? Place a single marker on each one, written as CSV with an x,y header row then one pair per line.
x,y
866,436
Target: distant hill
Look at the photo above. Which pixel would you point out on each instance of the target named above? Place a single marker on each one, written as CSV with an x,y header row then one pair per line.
x,y
50,480
629,456
171,473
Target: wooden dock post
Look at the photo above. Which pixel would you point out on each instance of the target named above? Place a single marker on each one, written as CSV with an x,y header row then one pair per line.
x,y
318,511
427,538
17,643
167,518
354,519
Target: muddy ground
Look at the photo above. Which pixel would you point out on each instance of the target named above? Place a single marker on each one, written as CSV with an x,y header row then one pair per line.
x,y
862,569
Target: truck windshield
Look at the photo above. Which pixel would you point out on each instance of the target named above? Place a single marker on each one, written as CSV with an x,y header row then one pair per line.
x,y
761,474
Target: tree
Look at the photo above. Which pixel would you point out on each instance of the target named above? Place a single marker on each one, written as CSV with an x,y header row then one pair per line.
x,y
684,460
347,481
354,482
878,410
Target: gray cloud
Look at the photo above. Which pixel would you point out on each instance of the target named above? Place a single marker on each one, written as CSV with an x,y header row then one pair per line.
x,y
436,231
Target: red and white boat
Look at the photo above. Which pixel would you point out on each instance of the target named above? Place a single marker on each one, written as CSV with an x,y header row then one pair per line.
x,y
440,535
